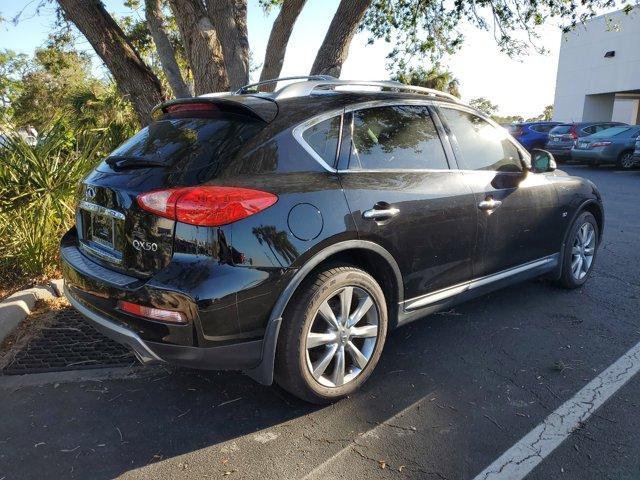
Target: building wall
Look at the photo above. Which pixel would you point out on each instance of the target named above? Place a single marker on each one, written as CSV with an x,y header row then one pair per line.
x,y
587,81
625,110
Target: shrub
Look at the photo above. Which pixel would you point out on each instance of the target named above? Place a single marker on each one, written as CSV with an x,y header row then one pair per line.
x,y
37,189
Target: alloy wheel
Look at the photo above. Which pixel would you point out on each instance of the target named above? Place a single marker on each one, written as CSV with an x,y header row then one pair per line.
x,y
583,250
342,336
626,161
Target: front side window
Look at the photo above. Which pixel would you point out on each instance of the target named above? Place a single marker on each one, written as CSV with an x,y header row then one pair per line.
x,y
323,138
396,137
481,145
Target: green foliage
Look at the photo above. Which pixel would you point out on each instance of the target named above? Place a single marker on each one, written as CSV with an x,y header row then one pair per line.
x,y
436,77
37,187
422,29
80,119
484,105
12,66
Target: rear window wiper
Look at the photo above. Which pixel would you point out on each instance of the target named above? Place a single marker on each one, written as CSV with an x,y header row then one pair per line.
x,y
133,162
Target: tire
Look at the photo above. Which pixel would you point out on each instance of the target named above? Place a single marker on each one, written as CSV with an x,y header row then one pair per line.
x,y
303,321
572,277
625,160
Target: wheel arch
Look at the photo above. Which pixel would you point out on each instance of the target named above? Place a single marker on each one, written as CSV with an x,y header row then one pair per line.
x,y
371,257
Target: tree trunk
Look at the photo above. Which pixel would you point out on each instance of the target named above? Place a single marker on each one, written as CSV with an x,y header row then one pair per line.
x,y
229,18
135,79
202,45
278,40
166,52
335,47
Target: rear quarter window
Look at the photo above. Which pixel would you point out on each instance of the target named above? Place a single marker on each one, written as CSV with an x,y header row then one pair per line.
x,y
323,139
561,129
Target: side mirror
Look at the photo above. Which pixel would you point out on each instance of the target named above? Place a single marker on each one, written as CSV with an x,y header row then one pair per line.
x,y
542,161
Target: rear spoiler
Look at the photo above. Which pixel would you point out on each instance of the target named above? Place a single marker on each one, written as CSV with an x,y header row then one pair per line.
x,y
254,106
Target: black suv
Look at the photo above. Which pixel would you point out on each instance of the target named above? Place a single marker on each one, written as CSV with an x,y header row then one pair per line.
x,y
284,234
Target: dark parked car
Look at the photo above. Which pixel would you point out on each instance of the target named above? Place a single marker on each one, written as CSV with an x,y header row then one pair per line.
x,y
613,145
532,134
562,138
284,234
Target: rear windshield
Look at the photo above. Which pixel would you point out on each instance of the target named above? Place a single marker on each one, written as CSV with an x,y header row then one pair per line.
x,y
187,143
611,132
561,129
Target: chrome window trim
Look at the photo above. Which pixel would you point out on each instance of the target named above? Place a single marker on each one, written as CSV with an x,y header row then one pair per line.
x,y
92,207
444,293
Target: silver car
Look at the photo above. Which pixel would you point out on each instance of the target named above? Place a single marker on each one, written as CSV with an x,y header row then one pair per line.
x,y
614,145
563,138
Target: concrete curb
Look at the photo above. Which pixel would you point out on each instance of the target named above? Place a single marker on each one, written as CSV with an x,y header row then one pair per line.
x,y
16,307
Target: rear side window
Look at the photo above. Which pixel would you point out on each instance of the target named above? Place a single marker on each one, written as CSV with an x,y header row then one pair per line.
x,y
481,145
190,143
323,138
396,137
561,129
542,128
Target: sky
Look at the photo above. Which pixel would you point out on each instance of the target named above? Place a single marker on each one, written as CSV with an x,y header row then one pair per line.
x,y
522,86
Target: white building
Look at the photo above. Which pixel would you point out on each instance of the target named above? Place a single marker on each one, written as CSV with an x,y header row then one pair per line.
x,y
599,70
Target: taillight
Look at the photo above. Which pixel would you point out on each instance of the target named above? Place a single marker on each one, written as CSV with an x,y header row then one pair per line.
x,y
573,132
191,107
206,206
168,316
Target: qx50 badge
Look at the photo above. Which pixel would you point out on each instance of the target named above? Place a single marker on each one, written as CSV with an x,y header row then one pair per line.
x,y
141,246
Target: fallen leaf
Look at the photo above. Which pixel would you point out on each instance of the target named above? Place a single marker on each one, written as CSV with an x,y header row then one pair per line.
x,y
382,464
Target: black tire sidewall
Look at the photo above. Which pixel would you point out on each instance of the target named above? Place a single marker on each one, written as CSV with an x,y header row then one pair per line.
x,y
295,376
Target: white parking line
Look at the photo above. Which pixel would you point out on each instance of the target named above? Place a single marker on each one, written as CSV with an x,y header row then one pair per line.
x,y
534,447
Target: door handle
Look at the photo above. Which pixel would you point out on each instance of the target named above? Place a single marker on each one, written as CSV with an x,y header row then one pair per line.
x,y
489,204
380,213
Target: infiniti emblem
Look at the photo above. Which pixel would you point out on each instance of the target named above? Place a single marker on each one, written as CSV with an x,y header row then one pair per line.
x,y
90,192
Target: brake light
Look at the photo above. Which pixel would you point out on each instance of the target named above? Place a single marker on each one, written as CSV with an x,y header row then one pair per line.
x,y
191,107
168,316
600,144
206,206
573,132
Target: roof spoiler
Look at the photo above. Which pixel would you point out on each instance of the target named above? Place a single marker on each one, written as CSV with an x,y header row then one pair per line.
x,y
258,107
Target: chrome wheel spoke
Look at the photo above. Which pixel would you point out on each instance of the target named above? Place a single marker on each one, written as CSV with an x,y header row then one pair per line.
x,y
318,339
338,371
576,266
589,237
333,356
576,250
345,304
361,310
321,365
366,331
327,314
589,251
357,355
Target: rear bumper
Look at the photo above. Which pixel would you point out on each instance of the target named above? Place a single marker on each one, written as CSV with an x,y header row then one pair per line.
x,y
114,331
240,356
560,152
592,156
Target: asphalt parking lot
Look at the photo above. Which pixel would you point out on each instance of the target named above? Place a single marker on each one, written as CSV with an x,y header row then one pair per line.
x,y
450,395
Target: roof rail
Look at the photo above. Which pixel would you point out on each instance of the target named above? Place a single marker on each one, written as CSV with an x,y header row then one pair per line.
x,y
306,88
247,88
